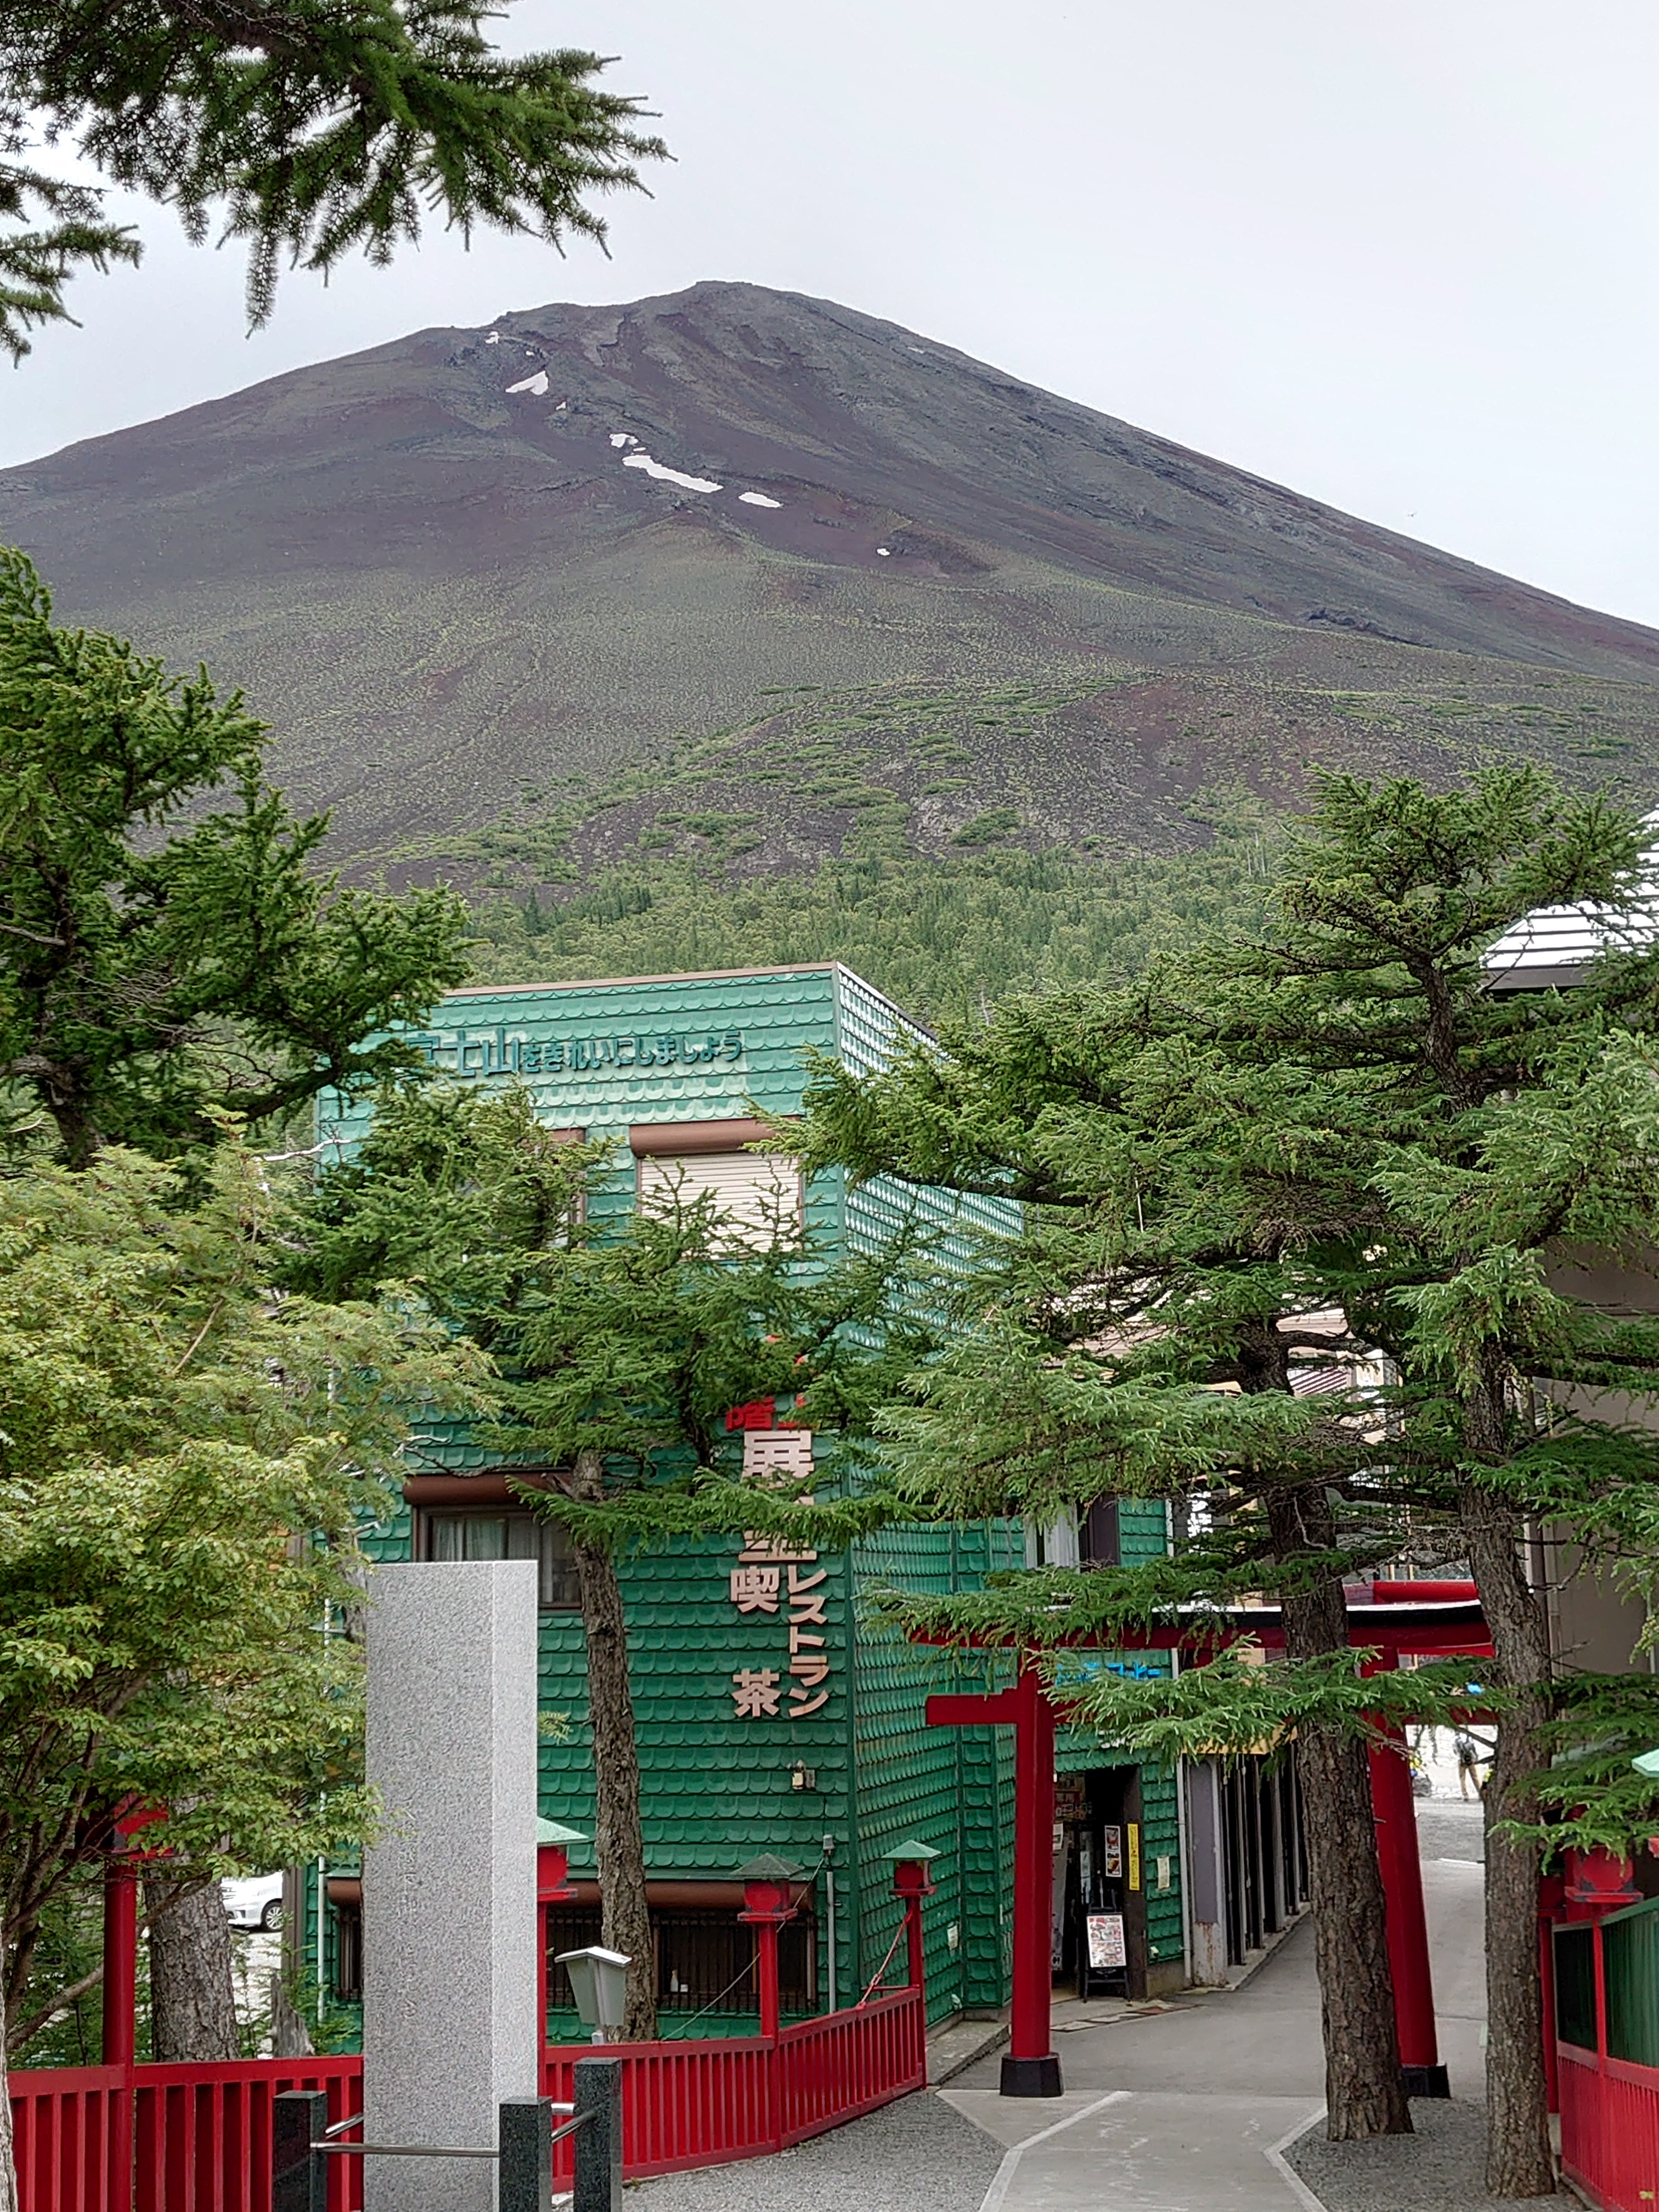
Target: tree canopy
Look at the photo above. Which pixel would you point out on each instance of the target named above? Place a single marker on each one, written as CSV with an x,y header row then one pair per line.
x,y
622,1335
170,1429
169,951
311,128
1327,1154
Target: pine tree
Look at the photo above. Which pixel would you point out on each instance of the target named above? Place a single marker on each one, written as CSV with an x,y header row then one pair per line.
x,y
1513,1131
311,128
169,953
1416,1157
1148,1326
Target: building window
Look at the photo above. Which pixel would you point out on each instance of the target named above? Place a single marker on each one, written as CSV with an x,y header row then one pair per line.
x,y
469,1535
758,1193
1099,1542
1053,1546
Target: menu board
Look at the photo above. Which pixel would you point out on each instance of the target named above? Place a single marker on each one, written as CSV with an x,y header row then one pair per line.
x,y
1106,1940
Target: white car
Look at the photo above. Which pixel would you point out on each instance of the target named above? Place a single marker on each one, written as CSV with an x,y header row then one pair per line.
x,y
254,1901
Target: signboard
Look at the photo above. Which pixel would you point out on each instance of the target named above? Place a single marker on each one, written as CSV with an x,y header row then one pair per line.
x,y
1111,1845
499,1051
771,1575
1106,1948
1134,1855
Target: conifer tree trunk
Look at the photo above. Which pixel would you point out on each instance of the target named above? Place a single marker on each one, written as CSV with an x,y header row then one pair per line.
x,y
1518,2158
193,2000
1364,2086
619,1843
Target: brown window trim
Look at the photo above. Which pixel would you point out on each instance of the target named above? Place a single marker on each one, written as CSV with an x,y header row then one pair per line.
x,y
480,1490
681,1140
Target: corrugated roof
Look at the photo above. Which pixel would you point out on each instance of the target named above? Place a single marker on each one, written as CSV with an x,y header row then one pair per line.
x,y
1554,944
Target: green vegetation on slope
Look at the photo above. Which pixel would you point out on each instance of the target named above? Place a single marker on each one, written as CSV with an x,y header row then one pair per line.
x,y
688,863
941,936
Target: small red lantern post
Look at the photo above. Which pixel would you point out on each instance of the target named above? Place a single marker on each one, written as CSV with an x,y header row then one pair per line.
x,y
767,1905
912,1882
1598,1882
553,1887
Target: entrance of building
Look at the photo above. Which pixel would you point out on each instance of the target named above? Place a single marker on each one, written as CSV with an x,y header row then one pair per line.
x,y
1100,1899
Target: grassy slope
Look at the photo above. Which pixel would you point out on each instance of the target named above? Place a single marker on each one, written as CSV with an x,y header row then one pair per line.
x,y
861,824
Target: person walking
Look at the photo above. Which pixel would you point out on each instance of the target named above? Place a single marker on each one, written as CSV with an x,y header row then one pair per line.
x,y
1468,1765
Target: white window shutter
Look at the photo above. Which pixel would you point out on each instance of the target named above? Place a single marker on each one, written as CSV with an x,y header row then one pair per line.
x,y
758,1192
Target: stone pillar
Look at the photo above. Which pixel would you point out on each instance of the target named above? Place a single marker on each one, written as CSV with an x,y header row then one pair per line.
x,y
449,1896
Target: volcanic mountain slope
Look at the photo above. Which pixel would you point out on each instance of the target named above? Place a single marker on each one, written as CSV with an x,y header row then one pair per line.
x,y
740,570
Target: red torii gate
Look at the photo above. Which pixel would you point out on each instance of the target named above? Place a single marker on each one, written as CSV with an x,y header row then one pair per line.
x,y
1425,1620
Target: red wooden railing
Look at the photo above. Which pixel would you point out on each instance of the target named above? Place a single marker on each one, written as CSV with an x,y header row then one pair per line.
x,y
69,2127
1609,2105
705,2102
197,2138
129,2138
1610,2128
834,2068
167,2138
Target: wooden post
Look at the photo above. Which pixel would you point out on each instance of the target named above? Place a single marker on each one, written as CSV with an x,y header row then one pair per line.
x,y
120,1960
1393,1812
767,1903
120,2005
553,1887
913,1882
1550,1901
1031,2069
1401,1866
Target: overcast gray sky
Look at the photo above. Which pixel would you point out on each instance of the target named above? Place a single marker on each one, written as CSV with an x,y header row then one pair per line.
x,y
1401,257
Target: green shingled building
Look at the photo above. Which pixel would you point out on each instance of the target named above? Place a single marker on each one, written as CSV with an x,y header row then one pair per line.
x,y
829,1765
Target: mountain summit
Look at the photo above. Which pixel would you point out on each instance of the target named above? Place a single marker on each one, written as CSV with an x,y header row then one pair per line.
x,y
583,540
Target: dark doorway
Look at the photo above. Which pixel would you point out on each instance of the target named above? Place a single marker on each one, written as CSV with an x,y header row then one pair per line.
x,y
1101,1919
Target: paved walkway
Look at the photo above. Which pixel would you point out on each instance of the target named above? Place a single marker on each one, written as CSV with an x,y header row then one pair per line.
x,y
1194,2107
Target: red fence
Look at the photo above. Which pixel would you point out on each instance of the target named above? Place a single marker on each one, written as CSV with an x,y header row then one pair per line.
x,y
834,2068
197,2138
1610,2128
701,2103
167,2138
1604,1986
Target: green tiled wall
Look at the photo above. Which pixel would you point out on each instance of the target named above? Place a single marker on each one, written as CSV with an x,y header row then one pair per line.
x,y
950,1789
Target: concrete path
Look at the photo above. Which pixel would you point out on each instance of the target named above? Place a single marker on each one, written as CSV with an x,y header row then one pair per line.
x,y
1168,2111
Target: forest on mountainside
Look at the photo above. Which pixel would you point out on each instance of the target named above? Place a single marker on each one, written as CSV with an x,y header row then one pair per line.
x,y
944,936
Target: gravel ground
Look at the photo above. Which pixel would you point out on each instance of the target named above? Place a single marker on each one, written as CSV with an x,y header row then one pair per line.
x,y
915,2156
1454,1831
1438,2169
